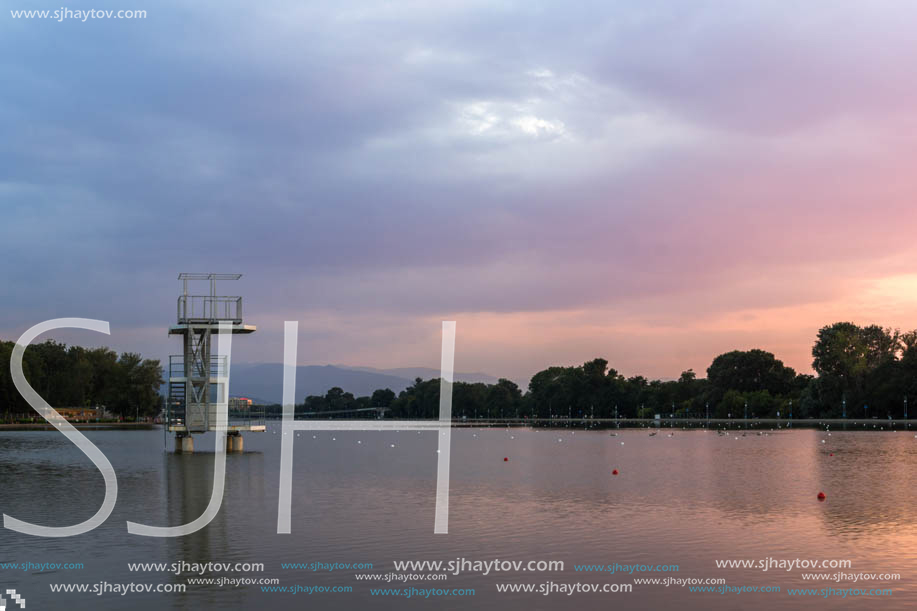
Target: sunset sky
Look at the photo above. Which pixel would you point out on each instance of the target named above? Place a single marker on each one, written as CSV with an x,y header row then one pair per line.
x,y
651,182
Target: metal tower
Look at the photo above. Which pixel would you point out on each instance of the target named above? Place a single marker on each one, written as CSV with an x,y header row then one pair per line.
x,y
199,380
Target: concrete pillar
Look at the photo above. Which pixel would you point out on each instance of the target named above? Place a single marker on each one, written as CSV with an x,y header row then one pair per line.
x,y
184,444
234,442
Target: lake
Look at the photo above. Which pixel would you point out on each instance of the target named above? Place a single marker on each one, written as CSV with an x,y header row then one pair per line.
x,y
369,497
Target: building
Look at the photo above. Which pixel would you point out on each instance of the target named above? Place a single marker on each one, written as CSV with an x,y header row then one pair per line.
x,y
79,414
239,404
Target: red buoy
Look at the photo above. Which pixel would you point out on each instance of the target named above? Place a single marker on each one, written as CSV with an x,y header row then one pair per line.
x,y
615,472
505,459
821,496
831,454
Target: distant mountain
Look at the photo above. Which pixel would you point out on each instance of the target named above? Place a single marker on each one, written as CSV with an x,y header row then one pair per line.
x,y
264,382
426,373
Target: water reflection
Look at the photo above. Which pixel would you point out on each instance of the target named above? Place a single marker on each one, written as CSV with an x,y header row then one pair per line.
x,y
688,500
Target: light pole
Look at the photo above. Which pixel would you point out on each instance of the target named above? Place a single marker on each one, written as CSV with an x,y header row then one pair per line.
x,y
844,406
905,407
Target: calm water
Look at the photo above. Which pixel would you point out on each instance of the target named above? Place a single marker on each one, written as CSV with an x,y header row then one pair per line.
x,y
687,500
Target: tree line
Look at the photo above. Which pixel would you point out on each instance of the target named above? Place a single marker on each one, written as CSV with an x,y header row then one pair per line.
x,y
861,372
126,385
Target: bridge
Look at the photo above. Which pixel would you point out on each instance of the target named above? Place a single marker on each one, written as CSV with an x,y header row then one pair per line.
x,y
379,411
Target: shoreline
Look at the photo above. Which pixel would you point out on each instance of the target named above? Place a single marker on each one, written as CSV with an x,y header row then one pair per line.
x,y
84,426
558,423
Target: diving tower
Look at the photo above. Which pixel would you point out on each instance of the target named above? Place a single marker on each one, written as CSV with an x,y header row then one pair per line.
x,y
198,379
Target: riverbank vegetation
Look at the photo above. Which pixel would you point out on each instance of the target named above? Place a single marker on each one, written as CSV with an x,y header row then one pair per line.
x,y
125,385
861,372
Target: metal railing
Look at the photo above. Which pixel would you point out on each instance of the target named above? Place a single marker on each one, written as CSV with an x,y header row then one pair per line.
x,y
247,416
206,308
218,367
175,415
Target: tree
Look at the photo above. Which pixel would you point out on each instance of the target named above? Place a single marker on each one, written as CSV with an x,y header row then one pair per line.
x,y
845,356
77,377
504,399
750,371
382,397
548,391
731,406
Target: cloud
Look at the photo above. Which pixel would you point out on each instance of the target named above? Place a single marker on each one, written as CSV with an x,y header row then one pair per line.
x,y
666,167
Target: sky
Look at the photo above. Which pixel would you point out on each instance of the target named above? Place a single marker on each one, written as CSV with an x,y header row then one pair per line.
x,y
650,182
